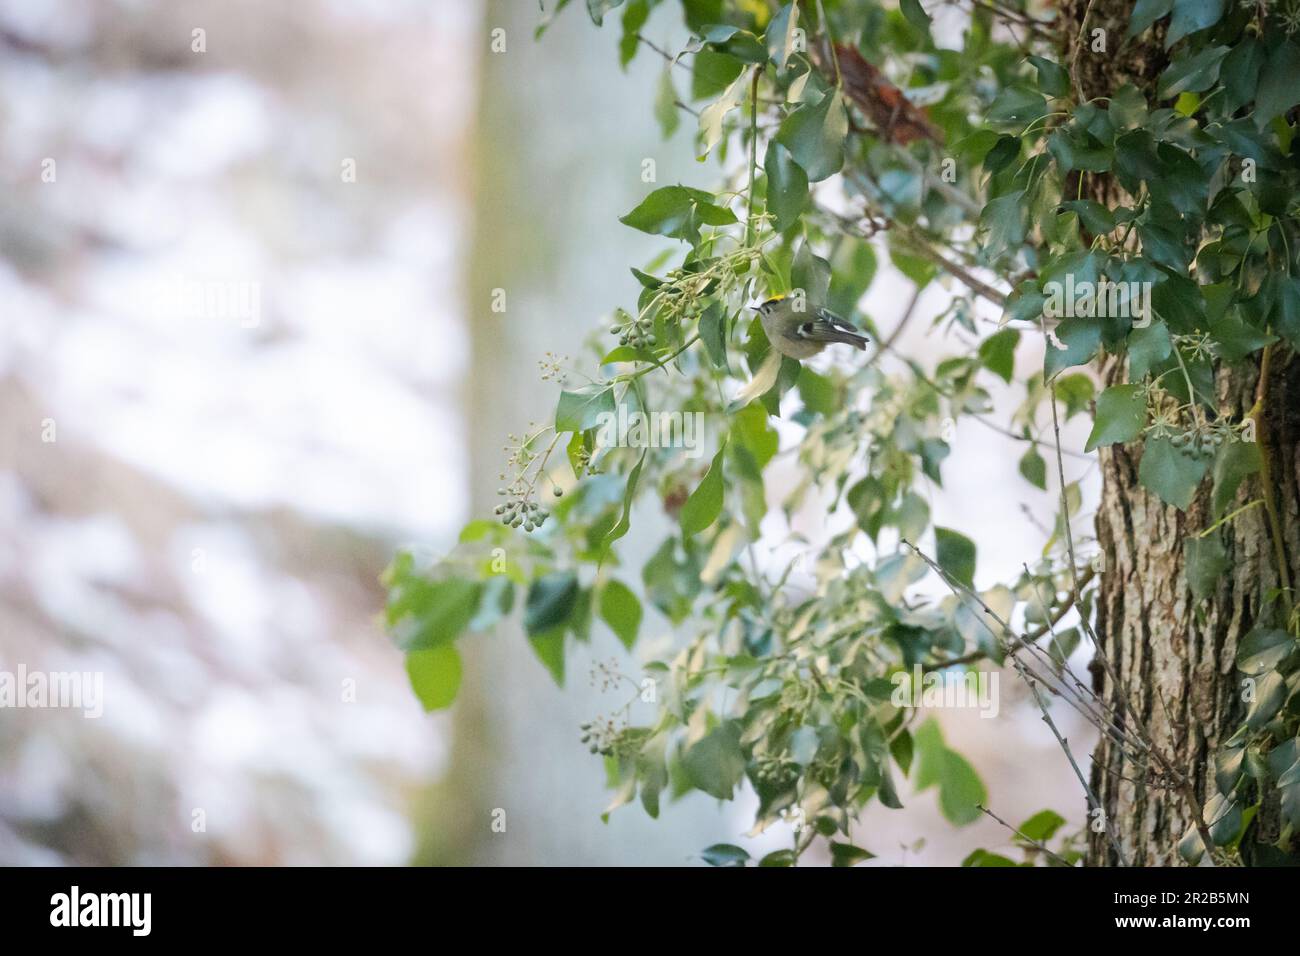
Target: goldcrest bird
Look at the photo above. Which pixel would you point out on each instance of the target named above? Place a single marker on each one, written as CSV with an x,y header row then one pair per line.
x,y
801,335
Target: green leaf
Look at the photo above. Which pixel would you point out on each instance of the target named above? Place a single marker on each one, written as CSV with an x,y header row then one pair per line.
x,y
1240,72
1147,12
1040,827
998,353
582,408
705,502
598,9
846,854
1075,391
1147,348
1096,218
787,186
724,854
814,134
915,15
1052,79
665,110
435,675
780,34
1279,84
1171,473
712,116
625,520
1017,107
961,792
423,614
1121,414
778,858
550,601
715,763
712,73
1081,339
635,15
1206,561
1285,314
1234,463
677,212
713,332
1263,649
955,553
1193,74
620,608
549,648
1034,468
1004,221
1192,16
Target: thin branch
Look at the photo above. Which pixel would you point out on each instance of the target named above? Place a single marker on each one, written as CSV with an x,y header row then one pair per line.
x,y
1028,839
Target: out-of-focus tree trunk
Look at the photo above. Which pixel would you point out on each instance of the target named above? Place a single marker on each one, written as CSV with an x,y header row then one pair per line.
x,y
1172,659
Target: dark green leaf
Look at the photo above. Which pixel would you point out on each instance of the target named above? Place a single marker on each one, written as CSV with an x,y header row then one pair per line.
x,y
1171,473
1121,415
550,601
621,610
955,553
814,134
787,186
705,502
724,854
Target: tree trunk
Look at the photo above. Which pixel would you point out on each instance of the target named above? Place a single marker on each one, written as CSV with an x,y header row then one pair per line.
x,y
1170,657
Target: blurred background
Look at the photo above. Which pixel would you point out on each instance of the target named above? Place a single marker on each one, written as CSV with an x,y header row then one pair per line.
x,y
248,254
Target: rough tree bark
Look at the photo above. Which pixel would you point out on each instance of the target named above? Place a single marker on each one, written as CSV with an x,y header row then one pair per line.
x,y
1174,661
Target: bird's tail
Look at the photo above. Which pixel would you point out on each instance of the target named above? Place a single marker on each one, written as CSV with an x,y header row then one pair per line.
x,y
843,337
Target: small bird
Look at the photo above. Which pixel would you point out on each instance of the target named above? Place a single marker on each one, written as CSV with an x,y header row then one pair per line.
x,y
801,335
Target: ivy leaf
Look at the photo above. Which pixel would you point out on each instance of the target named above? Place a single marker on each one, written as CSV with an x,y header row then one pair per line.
x,y
1192,74
1240,73
625,519
677,212
1096,218
1034,468
1286,310
705,502
620,608
712,116
582,408
780,34
961,792
724,854
551,599
635,15
665,110
435,675
423,614
1206,560
1004,221
549,648
1147,348
1075,391
598,8
1263,649
814,134
1279,84
715,763
1040,827
1171,473
1234,463
1121,413
1192,16
787,186
915,14
955,553
1052,79
1081,339
998,353
713,332
1016,107
1145,13
846,854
